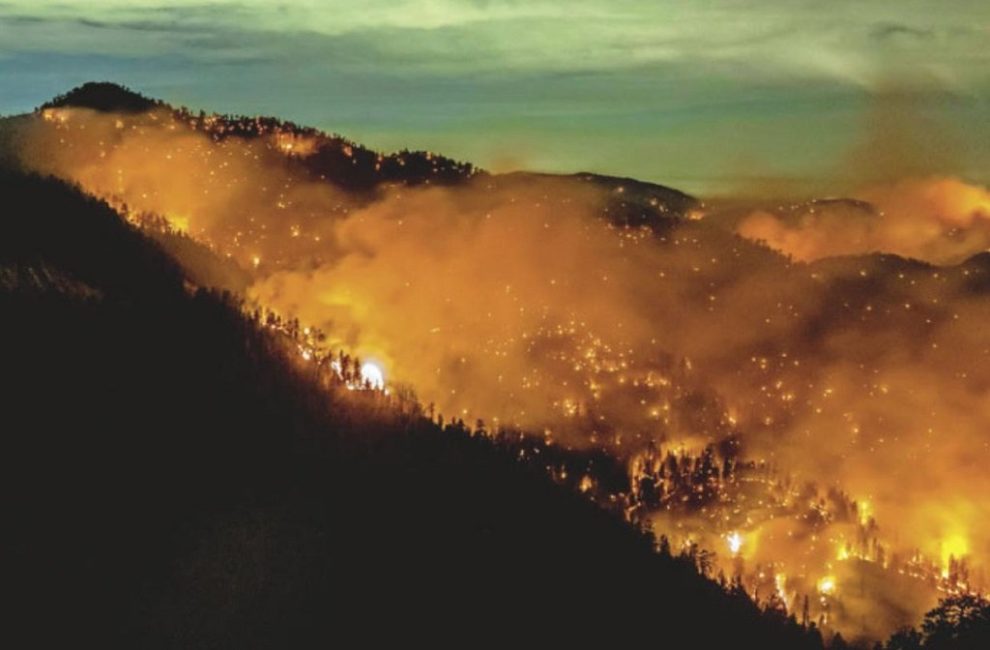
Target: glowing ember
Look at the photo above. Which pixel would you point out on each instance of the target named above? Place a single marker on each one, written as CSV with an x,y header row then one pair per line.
x,y
735,541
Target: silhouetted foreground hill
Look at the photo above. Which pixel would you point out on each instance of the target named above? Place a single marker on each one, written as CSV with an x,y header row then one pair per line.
x,y
172,480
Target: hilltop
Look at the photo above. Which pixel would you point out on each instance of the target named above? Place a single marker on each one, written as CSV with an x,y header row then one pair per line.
x,y
103,96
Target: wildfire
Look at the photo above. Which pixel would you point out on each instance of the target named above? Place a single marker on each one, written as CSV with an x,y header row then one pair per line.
x,y
411,276
954,547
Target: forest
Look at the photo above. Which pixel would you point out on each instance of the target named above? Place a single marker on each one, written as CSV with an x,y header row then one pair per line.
x,y
174,476
172,479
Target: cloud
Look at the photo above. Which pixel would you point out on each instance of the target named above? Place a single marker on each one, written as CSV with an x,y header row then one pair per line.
x,y
886,31
762,40
671,92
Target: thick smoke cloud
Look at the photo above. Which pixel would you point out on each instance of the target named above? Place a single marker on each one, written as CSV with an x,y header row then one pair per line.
x,y
938,219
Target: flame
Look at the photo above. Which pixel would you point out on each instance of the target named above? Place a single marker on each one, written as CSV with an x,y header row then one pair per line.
x,y
953,547
865,511
372,375
735,542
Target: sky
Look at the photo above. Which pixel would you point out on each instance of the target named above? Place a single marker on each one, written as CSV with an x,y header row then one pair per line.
x,y
706,96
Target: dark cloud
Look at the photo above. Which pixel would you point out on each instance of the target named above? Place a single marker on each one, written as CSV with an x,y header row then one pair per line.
x,y
20,19
888,31
175,26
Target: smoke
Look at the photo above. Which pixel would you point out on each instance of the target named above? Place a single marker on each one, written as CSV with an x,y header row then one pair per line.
x,y
937,219
900,176
230,192
904,135
513,300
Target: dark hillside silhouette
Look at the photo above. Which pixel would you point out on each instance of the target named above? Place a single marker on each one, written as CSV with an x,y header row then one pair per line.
x,y
959,622
103,96
172,479
630,202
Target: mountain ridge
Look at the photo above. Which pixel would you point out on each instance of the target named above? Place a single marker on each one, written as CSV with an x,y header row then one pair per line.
x,y
353,166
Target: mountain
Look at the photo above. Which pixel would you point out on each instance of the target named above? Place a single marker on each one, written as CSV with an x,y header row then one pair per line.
x,y
171,478
105,97
629,202
351,166
180,469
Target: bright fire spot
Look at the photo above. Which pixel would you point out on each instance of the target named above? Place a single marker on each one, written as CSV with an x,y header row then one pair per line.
x,y
373,375
954,546
865,512
826,585
586,483
179,223
780,582
735,542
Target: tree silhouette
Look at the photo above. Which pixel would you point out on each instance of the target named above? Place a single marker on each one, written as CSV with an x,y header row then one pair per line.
x,y
959,622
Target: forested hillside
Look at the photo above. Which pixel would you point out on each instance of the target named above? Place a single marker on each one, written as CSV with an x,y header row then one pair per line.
x,y
171,478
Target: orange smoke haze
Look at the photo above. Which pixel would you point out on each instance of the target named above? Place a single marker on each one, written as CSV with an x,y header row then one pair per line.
x,y
938,219
512,300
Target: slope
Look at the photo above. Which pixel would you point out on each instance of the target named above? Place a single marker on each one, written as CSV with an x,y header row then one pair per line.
x,y
171,479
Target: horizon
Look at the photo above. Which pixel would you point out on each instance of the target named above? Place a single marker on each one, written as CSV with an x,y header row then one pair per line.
x,y
689,97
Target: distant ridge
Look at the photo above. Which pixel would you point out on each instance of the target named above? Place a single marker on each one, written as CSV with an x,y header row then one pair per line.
x,y
356,168
630,202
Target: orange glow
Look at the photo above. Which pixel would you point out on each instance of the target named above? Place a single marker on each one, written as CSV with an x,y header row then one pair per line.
x,y
823,423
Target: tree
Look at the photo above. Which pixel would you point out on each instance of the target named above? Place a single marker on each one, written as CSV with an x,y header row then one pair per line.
x,y
905,639
959,622
664,547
